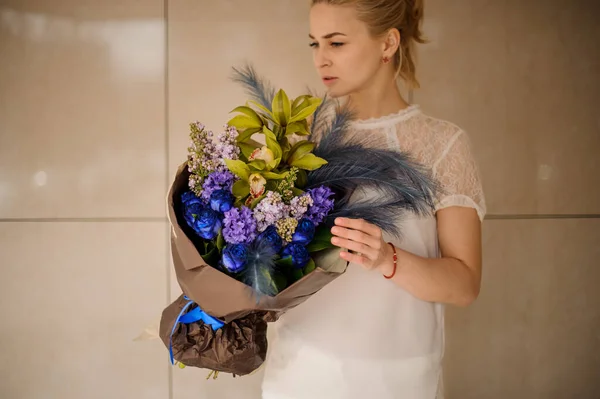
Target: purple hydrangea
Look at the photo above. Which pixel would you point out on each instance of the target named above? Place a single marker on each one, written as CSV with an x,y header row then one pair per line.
x,y
220,180
239,226
321,205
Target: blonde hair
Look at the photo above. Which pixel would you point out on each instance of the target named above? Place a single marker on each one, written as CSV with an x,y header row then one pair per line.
x,y
383,15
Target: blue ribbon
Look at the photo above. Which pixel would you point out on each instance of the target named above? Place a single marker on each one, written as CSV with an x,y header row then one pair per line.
x,y
191,317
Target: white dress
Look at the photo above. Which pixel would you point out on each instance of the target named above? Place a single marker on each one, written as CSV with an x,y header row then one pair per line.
x,y
362,336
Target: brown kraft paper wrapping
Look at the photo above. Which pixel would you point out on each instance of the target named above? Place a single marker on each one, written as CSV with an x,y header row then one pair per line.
x,y
240,346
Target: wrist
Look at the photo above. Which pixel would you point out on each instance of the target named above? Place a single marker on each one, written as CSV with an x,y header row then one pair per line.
x,y
389,266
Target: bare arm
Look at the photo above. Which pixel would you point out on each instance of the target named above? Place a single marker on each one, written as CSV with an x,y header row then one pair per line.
x,y
453,279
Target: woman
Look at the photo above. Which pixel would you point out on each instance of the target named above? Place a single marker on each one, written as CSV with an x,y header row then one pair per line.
x,y
377,331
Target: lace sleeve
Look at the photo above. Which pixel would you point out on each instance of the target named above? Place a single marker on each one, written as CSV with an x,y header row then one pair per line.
x,y
458,175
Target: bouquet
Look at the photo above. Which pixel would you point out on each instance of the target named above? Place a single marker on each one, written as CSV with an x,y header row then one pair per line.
x,y
250,222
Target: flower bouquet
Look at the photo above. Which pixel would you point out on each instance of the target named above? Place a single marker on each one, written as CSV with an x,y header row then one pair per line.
x,y
250,222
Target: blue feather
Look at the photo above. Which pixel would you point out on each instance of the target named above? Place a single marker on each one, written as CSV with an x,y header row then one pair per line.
x,y
259,271
399,183
257,87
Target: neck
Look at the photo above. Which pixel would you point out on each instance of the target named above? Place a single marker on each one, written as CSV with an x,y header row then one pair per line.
x,y
379,98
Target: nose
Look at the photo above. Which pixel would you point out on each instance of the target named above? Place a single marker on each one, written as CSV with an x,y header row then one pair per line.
x,y
321,59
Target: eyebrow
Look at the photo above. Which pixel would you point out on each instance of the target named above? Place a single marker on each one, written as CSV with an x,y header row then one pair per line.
x,y
328,36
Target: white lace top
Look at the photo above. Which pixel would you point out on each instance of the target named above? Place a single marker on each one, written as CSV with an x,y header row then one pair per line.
x,y
362,336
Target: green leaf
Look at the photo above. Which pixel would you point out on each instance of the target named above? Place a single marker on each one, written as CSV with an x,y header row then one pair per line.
x,y
282,109
285,147
266,112
247,149
280,281
309,267
284,262
238,168
301,179
242,122
220,242
249,112
309,162
257,164
272,143
240,189
300,128
273,164
323,233
321,240
256,201
317,246
212,256
300,149
307,111
297,275
274,176
247,134
299,103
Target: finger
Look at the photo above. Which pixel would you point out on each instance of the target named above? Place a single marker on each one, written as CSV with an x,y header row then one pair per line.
x,y
361,225
355,258
355,246
356,235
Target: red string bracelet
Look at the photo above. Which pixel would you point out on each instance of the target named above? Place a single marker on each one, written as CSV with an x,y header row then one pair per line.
x,y
395,262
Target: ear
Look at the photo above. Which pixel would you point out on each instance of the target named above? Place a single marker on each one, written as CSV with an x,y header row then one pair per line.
x,y
391,42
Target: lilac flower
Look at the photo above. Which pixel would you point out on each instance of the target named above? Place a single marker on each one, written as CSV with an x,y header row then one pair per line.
x,y
226,147
239,226
321,206
269,210
219,180
299,206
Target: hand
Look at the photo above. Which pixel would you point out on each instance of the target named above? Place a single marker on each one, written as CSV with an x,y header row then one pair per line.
x,y
364,238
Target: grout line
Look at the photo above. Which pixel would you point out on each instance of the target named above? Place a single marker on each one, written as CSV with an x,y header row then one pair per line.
x,y
541,216
85,220
167,176
164,219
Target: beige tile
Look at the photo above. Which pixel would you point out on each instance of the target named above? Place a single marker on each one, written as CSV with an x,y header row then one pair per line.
x,y
533,331
554,59
463,79
82,125
205,42
72,298
191,383
525,89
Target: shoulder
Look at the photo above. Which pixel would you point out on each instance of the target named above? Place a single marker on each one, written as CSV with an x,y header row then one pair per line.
x,y
440,130
433,139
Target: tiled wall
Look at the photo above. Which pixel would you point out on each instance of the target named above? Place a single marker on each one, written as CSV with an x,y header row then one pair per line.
x,y
522,77
95,101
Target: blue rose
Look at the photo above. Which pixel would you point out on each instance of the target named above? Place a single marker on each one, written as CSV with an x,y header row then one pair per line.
x,y
271,237
305,231
299,254
191,211
205,222
221,200
189,198
235,257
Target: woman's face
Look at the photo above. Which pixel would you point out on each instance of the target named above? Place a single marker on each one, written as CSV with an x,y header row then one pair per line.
x,y
346,56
